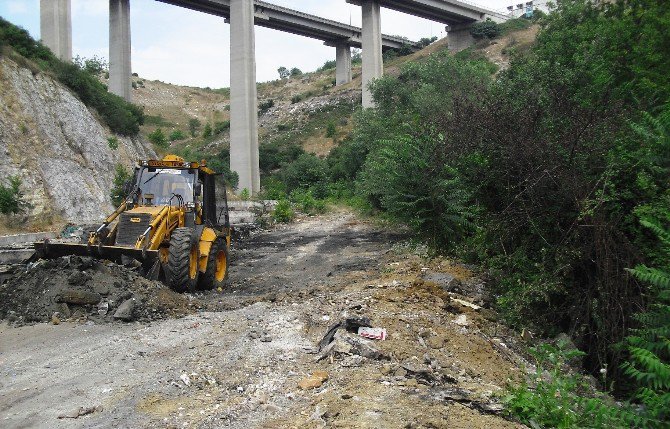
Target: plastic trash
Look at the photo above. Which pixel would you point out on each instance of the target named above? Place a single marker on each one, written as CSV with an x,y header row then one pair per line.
x,y
372,333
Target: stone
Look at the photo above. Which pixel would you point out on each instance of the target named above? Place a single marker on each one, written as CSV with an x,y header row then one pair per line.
x,y
310,383
323,375
79,297
55,319
346,343
444,280
78,278
125,310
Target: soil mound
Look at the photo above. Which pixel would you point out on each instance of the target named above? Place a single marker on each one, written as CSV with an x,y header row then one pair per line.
x,y
84,289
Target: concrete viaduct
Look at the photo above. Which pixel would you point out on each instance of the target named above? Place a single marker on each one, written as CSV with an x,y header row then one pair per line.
x,y
56,33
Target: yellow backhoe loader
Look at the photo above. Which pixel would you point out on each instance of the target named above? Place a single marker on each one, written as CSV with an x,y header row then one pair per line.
x,y
169,222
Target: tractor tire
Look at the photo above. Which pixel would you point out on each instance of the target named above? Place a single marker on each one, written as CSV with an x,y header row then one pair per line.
x,y
216,274
182,267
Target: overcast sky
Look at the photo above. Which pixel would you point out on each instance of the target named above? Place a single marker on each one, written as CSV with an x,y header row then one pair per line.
x,y
180,46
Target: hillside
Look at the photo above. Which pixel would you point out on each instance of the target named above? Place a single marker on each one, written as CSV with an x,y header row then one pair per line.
x,y
301,106
58,148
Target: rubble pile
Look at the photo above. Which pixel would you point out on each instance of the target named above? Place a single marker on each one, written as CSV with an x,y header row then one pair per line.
x,y
84,289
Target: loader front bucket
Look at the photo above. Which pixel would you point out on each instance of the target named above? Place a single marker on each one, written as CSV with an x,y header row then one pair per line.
x,y
49,250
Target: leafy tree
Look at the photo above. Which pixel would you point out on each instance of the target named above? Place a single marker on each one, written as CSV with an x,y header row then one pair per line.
x,y
328,65
118,192
485,30
11,197
295,71
425,41
283,72
306,172
193,126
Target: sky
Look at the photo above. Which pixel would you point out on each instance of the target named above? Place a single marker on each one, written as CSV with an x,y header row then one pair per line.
x,y
184,47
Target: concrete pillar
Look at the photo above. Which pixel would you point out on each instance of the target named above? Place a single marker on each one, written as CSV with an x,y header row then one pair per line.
x,y
243,96
343,62
56,27
373,64
459,37
119,49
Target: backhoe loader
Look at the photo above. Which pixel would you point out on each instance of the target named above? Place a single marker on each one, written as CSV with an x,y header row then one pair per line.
x,y
168,222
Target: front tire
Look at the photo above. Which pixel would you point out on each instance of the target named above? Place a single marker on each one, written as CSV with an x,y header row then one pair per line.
x,y
216,274
182,266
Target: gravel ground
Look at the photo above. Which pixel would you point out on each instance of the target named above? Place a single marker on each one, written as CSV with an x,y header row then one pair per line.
x,y
237,360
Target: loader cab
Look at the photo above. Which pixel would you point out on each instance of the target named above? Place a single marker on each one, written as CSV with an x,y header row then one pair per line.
x,y
166,186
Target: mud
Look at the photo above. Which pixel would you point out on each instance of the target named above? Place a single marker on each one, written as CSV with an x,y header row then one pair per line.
x,y
86,290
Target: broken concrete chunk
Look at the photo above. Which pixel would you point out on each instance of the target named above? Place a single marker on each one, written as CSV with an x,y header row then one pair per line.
x,y
349,344
79,297
125,310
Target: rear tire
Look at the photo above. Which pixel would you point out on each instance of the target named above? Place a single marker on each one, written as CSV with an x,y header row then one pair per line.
x,y
182,266
216,274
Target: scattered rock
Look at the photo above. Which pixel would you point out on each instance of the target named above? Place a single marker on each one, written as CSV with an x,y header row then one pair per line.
x,y
462,320
78,278
55,318
444,280
314,381
125,310
81,411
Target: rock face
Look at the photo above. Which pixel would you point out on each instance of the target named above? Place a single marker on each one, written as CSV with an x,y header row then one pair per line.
x,y
58,148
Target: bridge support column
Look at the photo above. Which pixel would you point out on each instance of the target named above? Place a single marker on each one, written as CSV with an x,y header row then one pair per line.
x,y
56,27
343,64
459,37
243,96
119,49
373,65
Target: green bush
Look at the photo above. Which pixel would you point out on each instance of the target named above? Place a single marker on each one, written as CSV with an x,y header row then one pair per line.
x,y
176,135
266,105
331,130
328,65
121,176
306,202
648,345
306,172
220,127
207,131
485,30
556,397
113,142
158,138
11,197
194,125
283,213
276,153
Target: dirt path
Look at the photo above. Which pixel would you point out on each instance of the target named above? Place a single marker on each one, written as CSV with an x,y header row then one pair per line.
x,y
239,366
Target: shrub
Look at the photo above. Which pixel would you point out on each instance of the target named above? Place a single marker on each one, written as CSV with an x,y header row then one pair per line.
x,y
295,71
306,172
220,127
425,41
297,98
266,105
118,192
306,202
11,197
158,138
556,397
207,131
283,213
113,142
331,129
176,135
485,30
276,153
328,65
193,126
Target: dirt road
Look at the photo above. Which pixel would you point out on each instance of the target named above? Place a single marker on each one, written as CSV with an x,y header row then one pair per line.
x,y
238,364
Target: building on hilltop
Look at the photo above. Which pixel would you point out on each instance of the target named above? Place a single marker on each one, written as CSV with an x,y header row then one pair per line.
x,y
526,9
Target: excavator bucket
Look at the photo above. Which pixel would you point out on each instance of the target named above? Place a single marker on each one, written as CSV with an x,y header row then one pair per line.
x,y
49,250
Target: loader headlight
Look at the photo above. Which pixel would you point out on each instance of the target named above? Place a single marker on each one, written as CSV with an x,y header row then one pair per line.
x,y
190,205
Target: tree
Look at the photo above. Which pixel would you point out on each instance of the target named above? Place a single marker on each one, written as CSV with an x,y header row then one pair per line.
x,y
283,72
158,138
207,131
425,41
118,192
485,30
295,71
193,126
11,198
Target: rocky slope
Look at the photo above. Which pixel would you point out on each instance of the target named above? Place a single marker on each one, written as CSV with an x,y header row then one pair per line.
x,y
58,148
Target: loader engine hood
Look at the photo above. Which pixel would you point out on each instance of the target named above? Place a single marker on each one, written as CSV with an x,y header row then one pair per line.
x,y
133,223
